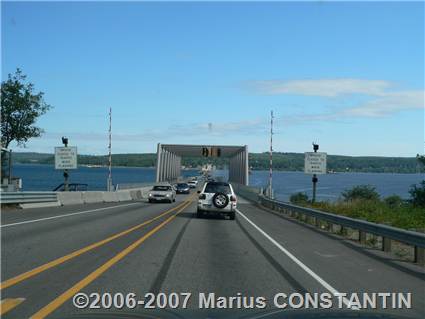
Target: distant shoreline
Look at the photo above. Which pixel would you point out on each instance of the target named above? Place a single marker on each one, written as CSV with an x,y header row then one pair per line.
x,y
257,170
291,162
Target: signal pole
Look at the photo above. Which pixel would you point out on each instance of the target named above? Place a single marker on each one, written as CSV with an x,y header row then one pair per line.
x,y
314,179
109,185
65,171
271,157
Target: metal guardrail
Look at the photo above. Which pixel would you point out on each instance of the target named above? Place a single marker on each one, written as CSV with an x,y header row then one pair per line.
x,y
398,234
27,197
388,233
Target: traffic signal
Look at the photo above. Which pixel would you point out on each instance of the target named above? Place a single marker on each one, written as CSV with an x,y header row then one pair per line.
x,y
211,152
205,152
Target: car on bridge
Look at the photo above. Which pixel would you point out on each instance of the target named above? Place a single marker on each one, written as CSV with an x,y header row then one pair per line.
x,y
182,188
193,183
217,198
163,192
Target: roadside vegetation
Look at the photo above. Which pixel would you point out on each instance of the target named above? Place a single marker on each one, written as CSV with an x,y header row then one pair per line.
x,y
363,202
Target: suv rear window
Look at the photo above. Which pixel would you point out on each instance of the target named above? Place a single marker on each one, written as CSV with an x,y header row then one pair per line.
x,y
217,188
161,188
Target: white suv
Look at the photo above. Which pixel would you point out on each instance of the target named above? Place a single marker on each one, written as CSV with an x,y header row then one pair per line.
x,y
217,198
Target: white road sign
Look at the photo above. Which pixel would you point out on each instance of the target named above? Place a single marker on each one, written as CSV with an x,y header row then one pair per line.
x,y
315,163
66,157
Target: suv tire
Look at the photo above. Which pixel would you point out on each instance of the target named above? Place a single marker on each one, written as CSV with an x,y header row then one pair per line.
x,y
220,200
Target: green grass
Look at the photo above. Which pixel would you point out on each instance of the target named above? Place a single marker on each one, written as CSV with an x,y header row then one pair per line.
x,y
405,216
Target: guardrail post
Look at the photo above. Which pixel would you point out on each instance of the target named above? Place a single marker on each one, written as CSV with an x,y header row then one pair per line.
x,y
317,222
386,244
420,255
362,237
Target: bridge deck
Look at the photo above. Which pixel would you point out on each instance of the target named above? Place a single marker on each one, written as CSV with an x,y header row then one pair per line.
x,y
184,255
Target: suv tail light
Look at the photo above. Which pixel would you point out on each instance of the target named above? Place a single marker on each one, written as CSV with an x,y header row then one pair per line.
x,y
202,196
233,198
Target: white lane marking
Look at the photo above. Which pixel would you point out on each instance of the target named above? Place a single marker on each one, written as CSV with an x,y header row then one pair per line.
x,y
298,262
66,215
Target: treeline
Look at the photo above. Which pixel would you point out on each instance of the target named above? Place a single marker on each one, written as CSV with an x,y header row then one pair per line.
x,y
257,161
339,163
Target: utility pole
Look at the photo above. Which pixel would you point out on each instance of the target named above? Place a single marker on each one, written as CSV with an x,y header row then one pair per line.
x,y
271,157
109,185
314,179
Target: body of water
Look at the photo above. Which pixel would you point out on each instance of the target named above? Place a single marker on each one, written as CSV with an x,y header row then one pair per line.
x,y
330,186
45,178
36,177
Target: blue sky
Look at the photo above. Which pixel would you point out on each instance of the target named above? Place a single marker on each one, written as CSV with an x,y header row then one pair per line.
x,y
347,75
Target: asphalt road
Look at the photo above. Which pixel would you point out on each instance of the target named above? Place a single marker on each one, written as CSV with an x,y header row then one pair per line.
x,y
49,255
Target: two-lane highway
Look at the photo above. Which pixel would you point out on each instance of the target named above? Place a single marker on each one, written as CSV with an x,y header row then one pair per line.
x,y
50,255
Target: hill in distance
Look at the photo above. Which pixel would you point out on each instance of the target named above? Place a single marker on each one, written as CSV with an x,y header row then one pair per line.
x,y
257,161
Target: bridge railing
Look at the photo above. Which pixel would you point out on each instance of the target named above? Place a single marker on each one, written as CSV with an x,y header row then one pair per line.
x,y
388,233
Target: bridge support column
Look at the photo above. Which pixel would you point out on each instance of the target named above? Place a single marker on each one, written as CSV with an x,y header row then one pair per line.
x,y
174,166
179,165
240,170
246,166
163,166
168,166
158,162
239,167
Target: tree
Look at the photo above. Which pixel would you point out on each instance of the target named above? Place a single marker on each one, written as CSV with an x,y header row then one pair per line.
x,y
20,108
361,192
393,201
421,159
417,194
299,198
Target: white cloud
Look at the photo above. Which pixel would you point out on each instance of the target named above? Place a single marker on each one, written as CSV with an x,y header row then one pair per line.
x,y
381,101
321,87
388,103
184,132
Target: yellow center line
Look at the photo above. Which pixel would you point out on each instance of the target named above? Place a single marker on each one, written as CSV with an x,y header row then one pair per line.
x,y
56,303
8,304
13,281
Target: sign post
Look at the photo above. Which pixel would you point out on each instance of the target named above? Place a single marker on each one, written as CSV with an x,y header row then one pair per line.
x,y
66,158
315,163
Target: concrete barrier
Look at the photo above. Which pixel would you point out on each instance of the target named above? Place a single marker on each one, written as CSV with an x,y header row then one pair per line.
x,y
92,197
145,191
75,198
70,198
124,195
136,194
110,197
40,205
